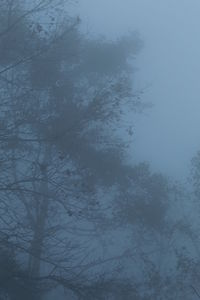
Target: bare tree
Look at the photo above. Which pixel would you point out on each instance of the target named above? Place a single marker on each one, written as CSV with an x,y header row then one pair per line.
x,y
62,98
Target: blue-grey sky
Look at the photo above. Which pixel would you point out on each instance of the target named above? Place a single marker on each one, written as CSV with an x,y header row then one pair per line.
x,y
168,135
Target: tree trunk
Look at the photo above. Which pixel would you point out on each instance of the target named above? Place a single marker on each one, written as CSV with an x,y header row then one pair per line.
x,y
36,248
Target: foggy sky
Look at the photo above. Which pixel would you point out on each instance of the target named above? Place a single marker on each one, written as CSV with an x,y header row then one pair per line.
x,y
168,135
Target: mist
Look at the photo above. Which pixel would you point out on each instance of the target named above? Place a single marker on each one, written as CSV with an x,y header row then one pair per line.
x,y
167,136
99,150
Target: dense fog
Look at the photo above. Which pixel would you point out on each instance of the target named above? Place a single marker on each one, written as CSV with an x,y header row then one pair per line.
x,y
99,150
168,68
